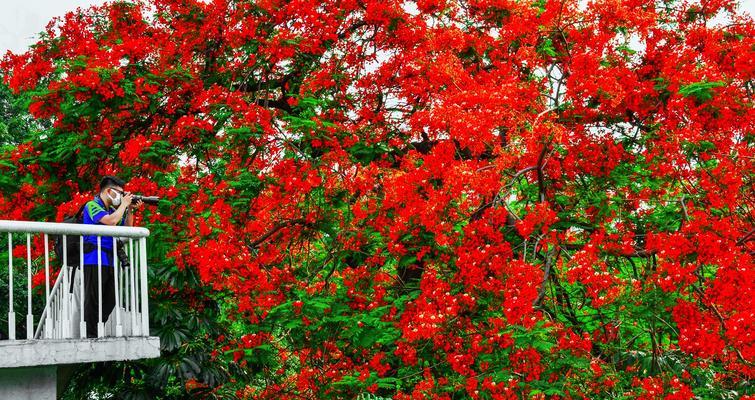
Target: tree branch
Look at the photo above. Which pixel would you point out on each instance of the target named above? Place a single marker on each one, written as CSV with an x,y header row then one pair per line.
x,y
546,275
254,244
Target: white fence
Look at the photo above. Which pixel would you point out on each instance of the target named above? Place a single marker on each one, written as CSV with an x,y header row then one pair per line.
x,y
63,314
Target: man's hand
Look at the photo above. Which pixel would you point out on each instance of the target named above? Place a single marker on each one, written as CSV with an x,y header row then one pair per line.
x,y
137,205
127,199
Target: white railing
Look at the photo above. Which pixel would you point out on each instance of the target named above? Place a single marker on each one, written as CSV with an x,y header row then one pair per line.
x,y
63,316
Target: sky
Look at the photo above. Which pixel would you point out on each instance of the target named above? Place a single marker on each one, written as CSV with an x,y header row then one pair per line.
x,y
21,20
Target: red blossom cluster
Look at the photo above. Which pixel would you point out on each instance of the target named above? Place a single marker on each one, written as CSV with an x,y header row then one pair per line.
x,y
431,199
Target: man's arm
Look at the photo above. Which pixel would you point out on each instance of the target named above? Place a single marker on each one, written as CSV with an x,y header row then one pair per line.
x,y
114,218
131,211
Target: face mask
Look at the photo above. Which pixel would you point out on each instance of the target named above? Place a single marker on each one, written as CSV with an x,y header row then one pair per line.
x,y
116,200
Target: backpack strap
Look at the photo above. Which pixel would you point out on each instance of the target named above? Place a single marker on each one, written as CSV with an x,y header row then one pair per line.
x,y
80,213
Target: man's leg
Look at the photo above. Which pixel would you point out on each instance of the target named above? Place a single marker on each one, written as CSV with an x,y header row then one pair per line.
x,y
108,292
91,294
91,300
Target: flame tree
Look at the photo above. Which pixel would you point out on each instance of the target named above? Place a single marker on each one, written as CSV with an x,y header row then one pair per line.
x,y
432,199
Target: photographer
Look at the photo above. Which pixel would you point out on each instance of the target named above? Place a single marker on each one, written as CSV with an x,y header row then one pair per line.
x,y
115,207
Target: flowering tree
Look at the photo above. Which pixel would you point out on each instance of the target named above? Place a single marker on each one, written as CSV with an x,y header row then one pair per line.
x,y
430,199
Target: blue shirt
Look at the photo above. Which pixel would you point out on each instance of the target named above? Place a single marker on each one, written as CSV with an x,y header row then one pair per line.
x,y
94,210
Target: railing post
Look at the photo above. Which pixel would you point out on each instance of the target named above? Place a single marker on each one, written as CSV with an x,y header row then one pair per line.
x,y
11,314
100,324
57,315
118,326
82,323
48,316
66,322
29,316
144,287
134,263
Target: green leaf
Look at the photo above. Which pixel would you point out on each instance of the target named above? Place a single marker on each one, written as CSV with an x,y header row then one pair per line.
x,y
702,91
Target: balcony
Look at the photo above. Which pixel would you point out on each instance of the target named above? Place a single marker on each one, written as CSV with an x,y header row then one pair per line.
x,y
35,345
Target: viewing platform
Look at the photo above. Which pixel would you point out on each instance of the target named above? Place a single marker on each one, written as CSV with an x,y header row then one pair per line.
x,y
33,351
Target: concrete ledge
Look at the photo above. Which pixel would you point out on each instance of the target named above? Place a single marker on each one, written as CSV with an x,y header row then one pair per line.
x,y
30,353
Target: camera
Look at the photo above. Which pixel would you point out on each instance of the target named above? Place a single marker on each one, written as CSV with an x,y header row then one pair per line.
x,y
151,200
122,255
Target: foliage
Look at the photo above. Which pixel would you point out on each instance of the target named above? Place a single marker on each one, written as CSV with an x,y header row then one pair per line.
x,y
431,199
15,121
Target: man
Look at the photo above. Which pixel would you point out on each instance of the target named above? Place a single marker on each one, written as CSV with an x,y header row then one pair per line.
x,y
112,206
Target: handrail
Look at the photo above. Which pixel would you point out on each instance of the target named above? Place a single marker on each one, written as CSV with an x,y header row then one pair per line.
x,y
127,290
53,228
53,293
